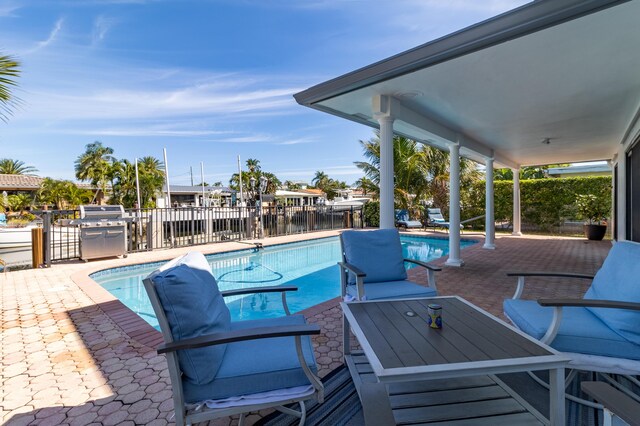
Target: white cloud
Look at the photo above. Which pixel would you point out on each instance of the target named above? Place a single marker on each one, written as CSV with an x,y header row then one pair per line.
x,y
52,37
7,8
101,26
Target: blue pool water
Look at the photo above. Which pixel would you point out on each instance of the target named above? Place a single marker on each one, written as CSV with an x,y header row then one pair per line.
x,y
309,265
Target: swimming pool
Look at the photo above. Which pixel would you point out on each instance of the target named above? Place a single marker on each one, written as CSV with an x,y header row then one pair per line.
x,y
309,265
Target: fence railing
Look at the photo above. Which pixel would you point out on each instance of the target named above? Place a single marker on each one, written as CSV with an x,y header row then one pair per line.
x,y
162,228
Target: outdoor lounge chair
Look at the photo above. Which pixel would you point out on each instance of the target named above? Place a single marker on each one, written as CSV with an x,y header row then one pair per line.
x,y
599,332
219,368
373,268
436,220
403,221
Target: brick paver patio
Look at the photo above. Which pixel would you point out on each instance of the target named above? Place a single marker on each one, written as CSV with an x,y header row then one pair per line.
x,y
72,355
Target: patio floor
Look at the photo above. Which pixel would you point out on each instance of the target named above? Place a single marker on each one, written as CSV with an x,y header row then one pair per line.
x,y
70,354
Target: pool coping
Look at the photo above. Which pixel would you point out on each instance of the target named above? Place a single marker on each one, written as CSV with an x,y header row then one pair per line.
x,y
141,331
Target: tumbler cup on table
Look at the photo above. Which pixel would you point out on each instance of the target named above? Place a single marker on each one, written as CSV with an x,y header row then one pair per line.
x,y
435,315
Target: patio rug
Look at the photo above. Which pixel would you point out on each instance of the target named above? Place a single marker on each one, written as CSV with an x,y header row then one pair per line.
x,y
342,406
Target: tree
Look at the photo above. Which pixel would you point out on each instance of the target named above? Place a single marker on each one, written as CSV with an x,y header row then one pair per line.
x,y
367,186
95,165
15,167
421,172
150,181
20,202
291,185
9,71
151,176
528,172
253,165
255,172
62,193
320,179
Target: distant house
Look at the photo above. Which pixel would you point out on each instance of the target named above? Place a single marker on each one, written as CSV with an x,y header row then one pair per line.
x,y
14,184
191,196
301,197
580,170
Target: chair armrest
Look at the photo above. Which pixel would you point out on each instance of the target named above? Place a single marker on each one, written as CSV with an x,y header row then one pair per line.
x,y
423,264
344,278
549,274
239,336
613,400
357,272
251,290
522,275
375,405
590,303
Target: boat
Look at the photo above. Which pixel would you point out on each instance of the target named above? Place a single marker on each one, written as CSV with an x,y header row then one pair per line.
x,y
15,237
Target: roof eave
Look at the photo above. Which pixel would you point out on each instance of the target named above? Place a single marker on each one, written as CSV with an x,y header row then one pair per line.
x,y
510,25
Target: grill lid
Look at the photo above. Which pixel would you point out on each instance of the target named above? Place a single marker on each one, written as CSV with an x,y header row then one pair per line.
x,y
95,212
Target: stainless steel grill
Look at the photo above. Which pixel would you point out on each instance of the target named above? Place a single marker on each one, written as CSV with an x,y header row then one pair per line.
x,y
103,231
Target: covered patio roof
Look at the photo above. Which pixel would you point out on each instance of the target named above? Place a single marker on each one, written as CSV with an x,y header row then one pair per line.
x,y
549,82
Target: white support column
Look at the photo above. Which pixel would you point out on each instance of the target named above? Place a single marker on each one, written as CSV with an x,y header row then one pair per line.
x,y
516,203
489,214
387,220
454,206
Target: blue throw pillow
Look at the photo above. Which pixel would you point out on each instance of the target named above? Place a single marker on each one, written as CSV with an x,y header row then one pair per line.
x,y
619,279
194,307
377,253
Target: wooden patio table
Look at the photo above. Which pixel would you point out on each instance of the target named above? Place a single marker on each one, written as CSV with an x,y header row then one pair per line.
x,y
399,347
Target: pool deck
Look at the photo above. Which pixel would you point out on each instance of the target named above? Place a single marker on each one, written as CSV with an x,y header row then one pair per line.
x,y
72,354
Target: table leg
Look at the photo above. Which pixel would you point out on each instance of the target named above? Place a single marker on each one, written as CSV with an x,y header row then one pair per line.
x,y
346,336
556,397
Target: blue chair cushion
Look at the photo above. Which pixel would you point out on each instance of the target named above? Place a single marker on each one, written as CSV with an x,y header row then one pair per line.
x,y
402,215
377,253
619,279
194,307
255,366
580,330
392,290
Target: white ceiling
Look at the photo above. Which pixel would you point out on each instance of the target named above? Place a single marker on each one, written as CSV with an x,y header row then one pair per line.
x,y
577,83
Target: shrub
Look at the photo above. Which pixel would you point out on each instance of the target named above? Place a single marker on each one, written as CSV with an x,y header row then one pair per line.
x,y
546,203
372,213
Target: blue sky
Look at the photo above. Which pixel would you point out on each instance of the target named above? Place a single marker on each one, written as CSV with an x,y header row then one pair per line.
x,y
207,79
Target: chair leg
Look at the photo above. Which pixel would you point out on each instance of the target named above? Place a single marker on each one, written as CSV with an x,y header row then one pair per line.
x,y
241,421
302,413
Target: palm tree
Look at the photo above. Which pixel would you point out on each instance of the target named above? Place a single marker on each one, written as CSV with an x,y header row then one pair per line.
x,y
62,193
253,165
151,175
95,165
367,186
15,167
319,179
420,171
9,70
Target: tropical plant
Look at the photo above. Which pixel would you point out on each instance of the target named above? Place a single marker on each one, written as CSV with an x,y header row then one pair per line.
x,y
9,166
95,165
255,172
421,172
63,193
291,185
20,202
367,186
150,182
527,172
593,209
9,71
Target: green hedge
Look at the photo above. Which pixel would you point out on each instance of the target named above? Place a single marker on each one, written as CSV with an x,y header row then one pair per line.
x,y
372,213
546,203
